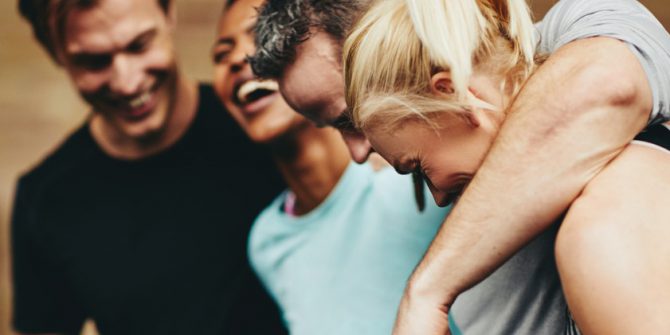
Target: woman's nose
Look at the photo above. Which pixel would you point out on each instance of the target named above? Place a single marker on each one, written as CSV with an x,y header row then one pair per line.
x,y
238,57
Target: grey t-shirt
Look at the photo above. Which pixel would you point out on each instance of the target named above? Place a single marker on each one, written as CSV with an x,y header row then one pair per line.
x,y
524,296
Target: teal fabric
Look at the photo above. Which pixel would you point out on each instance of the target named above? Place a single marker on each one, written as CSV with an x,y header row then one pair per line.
x,y
341,269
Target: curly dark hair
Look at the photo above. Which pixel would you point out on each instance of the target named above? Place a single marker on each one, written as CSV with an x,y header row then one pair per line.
x,y
284,24
46,18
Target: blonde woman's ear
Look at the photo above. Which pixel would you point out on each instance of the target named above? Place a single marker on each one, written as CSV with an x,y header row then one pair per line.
x,y
440,83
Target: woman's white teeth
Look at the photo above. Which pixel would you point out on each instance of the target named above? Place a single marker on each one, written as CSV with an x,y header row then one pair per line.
x,y
250,86
141,100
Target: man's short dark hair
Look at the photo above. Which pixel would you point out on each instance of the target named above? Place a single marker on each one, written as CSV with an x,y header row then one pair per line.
x,y
47,18
284,24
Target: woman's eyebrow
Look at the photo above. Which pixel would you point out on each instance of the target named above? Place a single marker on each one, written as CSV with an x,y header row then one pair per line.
x,y
231,39
224,40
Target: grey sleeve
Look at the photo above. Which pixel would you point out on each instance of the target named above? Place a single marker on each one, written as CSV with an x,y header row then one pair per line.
x,y
625,20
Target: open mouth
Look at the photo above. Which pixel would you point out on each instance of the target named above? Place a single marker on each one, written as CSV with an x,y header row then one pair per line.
x,y
140,106
140,100
253,90
132,108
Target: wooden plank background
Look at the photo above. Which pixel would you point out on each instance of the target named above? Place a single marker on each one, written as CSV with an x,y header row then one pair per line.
x,y
38,106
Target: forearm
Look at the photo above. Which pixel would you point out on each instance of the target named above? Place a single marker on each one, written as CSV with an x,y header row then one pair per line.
x,y
568,122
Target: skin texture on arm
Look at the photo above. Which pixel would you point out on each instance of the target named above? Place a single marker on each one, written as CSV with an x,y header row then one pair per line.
x,y
573,116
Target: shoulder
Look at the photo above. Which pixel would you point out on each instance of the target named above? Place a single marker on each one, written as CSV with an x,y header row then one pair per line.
x,y
70,154
217,133
570,20
214,122
271,214
269,232
638,172
38,181
212,110
571,10
618,223
208,98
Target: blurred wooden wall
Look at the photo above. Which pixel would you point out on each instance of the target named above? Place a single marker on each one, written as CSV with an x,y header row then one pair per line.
x,y
38,106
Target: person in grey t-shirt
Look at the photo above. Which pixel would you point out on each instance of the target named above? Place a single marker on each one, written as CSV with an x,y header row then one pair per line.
x,y
517,297
498,302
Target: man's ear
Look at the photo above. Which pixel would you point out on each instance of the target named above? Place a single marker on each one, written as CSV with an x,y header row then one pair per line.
x,y
440,83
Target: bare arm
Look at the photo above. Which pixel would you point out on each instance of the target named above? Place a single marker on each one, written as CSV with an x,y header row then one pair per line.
x,y
572,117
620,222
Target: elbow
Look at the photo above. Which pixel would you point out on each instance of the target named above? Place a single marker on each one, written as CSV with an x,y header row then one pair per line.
x,y
603,102
599,87
610,105
611,79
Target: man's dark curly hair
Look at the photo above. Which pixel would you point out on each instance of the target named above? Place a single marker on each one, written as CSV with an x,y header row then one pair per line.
x,y
284,24
47,19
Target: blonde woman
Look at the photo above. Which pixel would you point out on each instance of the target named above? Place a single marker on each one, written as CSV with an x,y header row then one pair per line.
x,y
429,84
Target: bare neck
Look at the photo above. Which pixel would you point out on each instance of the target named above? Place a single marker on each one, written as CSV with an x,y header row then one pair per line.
x,y
118,145
311,161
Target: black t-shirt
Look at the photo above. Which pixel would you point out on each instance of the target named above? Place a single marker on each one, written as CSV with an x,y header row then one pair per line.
x,y
155,246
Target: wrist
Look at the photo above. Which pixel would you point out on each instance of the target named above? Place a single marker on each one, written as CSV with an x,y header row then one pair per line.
x,y
431,288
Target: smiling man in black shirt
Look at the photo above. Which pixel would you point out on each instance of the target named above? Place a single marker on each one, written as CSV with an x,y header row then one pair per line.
x,y
139,219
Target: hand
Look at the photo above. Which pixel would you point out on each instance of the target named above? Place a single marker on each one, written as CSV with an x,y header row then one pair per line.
x,y
417,316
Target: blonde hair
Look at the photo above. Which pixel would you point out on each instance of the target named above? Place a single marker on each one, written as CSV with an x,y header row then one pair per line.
x,y
396,47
